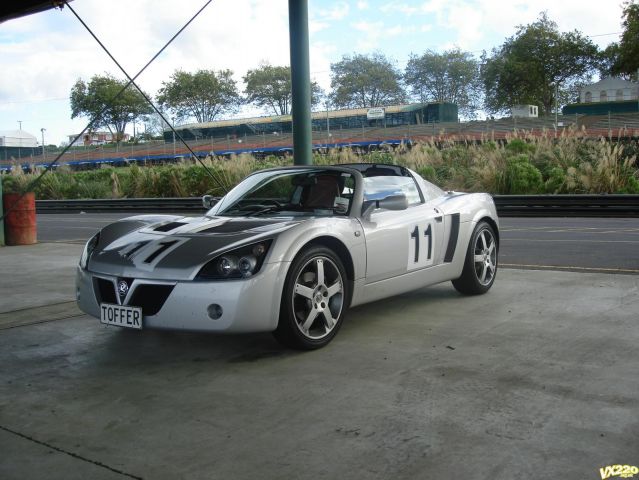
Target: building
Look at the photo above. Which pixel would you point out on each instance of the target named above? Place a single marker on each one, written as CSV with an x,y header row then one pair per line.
x,y
609,95
524,111
17,138
608,90
390,116
96,138
18,144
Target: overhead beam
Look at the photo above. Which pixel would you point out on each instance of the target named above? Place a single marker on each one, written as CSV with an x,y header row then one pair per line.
x,y
301,82
10,10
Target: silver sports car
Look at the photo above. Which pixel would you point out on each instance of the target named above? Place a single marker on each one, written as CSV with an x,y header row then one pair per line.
x,y
288,250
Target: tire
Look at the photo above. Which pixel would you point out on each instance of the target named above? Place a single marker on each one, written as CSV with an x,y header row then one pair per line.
x,y
480,265
314,300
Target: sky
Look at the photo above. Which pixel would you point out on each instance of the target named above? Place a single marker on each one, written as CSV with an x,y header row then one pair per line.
x,y
43,55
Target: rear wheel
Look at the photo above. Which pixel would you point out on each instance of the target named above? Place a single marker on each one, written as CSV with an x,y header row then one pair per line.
x,y
314,300
480,266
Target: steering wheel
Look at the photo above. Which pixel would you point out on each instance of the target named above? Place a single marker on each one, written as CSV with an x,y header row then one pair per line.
x,y
264,205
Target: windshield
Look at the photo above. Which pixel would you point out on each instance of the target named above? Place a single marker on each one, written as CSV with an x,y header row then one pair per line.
x,y
290,192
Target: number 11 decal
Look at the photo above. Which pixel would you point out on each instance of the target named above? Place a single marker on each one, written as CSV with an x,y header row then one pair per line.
x,y
417,258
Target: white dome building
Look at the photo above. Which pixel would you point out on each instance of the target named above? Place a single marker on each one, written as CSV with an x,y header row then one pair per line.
x,y
17,138
609,90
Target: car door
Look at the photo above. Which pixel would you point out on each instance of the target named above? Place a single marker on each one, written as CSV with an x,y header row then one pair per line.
x,y
399,242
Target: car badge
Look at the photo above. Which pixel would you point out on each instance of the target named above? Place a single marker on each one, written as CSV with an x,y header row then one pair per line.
x,y
123,288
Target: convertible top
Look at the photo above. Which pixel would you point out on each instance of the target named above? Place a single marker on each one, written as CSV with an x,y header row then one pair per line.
x,y
377,169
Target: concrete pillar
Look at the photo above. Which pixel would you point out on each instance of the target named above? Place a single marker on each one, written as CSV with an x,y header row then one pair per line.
x,y
1,214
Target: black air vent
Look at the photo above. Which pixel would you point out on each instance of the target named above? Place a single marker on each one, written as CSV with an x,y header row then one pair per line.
x,y
150,297
104,290
167,227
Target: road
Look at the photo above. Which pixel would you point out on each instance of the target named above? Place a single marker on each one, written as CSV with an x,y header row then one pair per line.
x,y
609,245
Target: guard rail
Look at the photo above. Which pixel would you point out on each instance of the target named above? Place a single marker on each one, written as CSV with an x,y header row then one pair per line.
x,y
507,205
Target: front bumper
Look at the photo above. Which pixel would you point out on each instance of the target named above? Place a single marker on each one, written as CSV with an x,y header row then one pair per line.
x,y
248,305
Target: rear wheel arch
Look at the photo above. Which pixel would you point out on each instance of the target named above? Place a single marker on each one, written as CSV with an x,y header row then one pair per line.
x,y
493,224
480,261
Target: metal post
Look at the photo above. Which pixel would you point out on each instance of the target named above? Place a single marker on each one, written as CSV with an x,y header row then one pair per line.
x,y
301,81
44,153
328,129
1,214
173,130
556,107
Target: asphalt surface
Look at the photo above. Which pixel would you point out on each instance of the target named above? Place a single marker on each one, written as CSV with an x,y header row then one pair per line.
x,y
535,379
608,245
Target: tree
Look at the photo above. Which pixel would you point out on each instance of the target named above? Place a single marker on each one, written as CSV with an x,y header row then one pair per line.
x,y
622,59
452,76
89,99
608,60
154,125
530,65
269,87
364,81
202,95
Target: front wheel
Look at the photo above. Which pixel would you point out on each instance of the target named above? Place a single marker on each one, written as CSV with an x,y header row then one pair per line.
x,y
314,300
480,266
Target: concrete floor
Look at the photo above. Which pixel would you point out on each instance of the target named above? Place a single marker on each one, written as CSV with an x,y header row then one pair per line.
x,y
537,379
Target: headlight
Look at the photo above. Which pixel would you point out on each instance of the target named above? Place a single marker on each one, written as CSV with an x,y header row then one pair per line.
x,y
242,262
88,250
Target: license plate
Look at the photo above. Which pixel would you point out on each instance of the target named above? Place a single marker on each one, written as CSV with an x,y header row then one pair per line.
x,y
121,315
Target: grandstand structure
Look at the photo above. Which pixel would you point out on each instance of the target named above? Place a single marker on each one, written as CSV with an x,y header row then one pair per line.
x,y
390,116
608,96
362,139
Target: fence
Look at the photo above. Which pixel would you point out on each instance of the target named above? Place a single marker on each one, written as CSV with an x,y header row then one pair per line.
x,y
507,205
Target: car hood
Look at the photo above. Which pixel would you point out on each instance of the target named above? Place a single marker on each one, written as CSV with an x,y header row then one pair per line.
x,y
175,248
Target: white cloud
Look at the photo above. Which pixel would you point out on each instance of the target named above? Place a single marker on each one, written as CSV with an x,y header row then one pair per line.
x,y
338,11
314,26
473,21
371,34
398,30
46,53
407,9
42,55
320,56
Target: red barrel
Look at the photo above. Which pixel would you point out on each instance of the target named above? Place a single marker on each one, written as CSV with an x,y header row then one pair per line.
x,y
20,222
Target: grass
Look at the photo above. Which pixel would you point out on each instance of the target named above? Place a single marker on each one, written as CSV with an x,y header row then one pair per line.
x,y
522,164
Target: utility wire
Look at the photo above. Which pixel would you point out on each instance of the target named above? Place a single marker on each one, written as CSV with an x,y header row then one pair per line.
x,y
50,166
157,110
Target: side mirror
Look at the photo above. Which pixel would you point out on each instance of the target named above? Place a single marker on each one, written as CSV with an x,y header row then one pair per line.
x,y
392,202
208,201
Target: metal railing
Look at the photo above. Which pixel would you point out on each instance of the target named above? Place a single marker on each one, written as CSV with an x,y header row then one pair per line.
x,y
604,205
507,205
